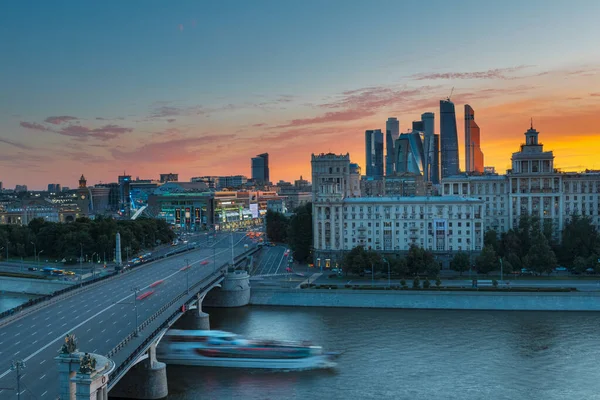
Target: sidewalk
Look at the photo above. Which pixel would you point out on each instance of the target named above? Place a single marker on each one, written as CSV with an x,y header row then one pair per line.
x,y
310,279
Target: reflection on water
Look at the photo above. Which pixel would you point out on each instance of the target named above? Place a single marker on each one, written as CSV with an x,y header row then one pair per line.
x,y
11,300
411,354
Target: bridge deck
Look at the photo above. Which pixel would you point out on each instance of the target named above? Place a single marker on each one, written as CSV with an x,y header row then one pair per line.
x,y
102,316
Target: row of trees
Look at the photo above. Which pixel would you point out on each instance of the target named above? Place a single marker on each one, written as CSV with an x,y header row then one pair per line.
x,y
417,261
533,246
55,241
296,231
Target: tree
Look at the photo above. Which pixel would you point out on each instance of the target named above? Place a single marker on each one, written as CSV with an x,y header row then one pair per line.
x,y
487,261
356,260
426,283
510,243
438,282
540,257
416,283
579,239
580,265
398,266
277,226
300,232
460,262
491,238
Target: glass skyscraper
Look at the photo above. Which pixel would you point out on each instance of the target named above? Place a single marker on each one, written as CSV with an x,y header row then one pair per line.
x,y
374,153
392,130
473,153
448,139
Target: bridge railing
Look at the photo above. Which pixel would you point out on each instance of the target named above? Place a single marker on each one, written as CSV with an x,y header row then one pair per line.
x,y
25,309
135,354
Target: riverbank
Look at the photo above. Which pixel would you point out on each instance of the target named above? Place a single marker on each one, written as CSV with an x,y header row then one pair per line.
x,y
427,299
32,286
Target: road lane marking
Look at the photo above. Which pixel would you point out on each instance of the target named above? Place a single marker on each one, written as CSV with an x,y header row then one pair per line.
x,y
43,361
61,337
17,352
44,393
42,377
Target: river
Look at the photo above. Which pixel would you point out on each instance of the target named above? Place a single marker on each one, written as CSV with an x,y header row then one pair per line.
x,y
411,354
10,300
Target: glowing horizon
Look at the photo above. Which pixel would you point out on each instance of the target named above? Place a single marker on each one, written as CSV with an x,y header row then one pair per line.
x,y
173,89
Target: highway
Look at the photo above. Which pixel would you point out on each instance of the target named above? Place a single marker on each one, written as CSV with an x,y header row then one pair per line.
x,y
272,260
100,317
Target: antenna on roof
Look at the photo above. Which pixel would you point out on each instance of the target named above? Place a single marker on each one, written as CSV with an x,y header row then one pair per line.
x,y
452,91
531,123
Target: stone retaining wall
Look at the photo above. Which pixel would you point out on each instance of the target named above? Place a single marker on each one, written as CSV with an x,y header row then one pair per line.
x,y
569,301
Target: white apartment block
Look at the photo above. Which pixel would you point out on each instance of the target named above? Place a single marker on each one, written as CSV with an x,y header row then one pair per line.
x,y
531,187
388,224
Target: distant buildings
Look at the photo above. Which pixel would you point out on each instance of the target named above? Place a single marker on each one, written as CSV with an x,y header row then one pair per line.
x,y
222,182
473,153
21,188
392,130
170,177
374,153
260,168
54,188
448,139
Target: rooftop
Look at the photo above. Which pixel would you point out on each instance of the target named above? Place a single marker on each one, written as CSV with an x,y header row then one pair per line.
x,y
416,199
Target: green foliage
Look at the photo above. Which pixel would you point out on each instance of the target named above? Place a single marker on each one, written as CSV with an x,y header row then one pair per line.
x,y
398,266
487,261
403,284
419,260
580,265
300,233
579,239
277,226
56,241
438,282
460,262
426,284
491,238
359,259
416,283
495,283
540,257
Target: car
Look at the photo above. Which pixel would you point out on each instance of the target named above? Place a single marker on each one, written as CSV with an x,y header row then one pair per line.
x,y
560,269
32,269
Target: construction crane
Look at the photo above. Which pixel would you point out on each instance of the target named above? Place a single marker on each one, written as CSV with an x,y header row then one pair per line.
x,y
452,91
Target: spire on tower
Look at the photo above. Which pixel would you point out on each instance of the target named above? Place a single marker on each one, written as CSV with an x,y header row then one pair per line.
x,y
532,123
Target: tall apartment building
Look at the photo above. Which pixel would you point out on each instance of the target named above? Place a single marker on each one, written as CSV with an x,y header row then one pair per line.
x,y
260,168
388,224
532,187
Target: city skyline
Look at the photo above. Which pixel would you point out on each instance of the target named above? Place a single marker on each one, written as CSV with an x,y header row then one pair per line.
x,y
144,90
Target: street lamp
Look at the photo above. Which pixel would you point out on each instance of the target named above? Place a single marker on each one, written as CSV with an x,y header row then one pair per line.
x,y
34,251
388,264
18,366
135,292
38,256
501,270
187,275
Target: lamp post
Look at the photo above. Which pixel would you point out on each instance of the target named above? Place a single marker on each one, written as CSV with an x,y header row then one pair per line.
x,y
389,276
187,275
18,366
135,292
501,270
38,257
81,259
372,275
34,252
7,243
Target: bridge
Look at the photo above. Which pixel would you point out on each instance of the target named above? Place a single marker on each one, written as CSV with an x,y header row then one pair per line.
x,y
121,318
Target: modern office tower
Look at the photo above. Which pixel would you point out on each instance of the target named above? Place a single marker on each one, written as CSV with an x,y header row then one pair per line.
x,y
54,188
409,151
392,130
473,153
260,168
125,194
435,163
448,139
374,153
428,125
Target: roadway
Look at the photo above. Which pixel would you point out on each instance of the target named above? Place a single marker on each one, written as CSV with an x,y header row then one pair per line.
x,y
100,317
271,260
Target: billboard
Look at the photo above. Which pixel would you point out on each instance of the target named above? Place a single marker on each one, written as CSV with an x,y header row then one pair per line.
x,y
254,210
197,215
177,215
188,215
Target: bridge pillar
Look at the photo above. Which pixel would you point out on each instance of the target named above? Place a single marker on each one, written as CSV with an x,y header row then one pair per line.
x,y
68,365
194,319
234,291
146,380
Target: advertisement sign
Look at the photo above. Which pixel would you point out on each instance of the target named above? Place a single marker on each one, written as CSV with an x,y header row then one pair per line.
x,y
177,215
254,210
197,215
188,215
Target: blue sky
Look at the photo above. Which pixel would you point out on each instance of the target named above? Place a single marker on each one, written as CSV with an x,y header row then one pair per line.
x,y
126,59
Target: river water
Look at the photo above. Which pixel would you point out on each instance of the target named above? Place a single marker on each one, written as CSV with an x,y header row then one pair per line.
x,y
11,300
411,354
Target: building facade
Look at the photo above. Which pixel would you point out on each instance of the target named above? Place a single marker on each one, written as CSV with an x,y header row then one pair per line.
x,y
260,168
532,187
392,131
374,153
170,177
473,153
448,139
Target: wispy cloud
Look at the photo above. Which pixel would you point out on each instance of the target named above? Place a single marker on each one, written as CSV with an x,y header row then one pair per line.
x,y
105,132
335,116
16,144
595,94
59,119
171,120
496,73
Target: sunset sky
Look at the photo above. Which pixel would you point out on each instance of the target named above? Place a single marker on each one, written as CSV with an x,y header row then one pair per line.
x,y
199,87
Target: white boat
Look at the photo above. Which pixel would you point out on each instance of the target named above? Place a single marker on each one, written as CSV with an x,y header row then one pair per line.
x,y
224,349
